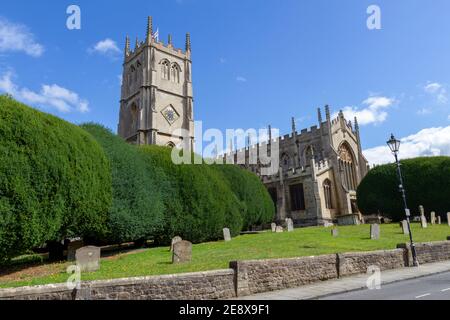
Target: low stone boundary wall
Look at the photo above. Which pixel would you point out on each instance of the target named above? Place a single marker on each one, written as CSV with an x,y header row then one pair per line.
x,y
243,277
254,276
358,262
428,252
217,284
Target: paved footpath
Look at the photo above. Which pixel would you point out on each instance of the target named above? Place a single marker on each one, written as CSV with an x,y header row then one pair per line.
x,y
356,286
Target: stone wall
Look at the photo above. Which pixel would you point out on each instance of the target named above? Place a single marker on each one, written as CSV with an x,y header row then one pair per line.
x,y
218,284
254,276
243,277
428,252
358,262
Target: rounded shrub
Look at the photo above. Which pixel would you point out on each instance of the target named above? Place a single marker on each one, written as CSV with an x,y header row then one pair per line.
x,y
55,180
198,201
137,207
257,206
426,181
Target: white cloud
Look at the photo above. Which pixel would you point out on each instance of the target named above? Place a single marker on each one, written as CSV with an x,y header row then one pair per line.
x,y
105,47
17,37
62,99
373,112
241,79
427,142
438,91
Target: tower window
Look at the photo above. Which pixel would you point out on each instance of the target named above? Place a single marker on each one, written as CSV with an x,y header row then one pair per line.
x,y
165,66
175,73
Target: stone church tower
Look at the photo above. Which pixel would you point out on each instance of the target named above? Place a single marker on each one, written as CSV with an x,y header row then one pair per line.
x,y
156,105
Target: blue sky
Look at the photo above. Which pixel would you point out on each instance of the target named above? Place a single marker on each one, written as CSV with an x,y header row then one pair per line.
x,y
254,63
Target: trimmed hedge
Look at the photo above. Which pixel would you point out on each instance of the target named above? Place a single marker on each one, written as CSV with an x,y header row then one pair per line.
x,y
257,206
199,203
426,181
55,180
137,207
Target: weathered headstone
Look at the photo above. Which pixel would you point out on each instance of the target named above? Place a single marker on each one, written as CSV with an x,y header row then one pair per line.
x,y
279,229
405,227
375,231
421,210
439,220
182,252
328,224
334,232
433,217
290,225
88,258
72,247
226,234
174,240
273,226
423,222
448,218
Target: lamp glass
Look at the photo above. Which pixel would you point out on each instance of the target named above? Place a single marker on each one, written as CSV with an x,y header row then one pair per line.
x,y
393,144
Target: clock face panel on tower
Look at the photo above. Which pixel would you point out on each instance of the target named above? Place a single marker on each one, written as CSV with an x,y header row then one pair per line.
x,y
170,114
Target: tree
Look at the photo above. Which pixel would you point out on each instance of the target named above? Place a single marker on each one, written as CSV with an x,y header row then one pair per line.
x,y
198,202
257,205
425,180
137,206
55,180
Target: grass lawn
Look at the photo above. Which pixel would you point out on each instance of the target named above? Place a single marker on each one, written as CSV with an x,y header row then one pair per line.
x,y
217,255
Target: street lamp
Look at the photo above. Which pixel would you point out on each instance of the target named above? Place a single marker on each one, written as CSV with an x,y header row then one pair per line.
x,y
394,145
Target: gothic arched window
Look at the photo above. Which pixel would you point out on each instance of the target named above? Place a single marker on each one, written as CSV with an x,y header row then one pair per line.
x,y
131,75
327,194
309,155
285,162
171,145
134,118
165,69
175,73
347,165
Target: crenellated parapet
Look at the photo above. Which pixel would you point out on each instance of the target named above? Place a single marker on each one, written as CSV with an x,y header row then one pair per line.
x,y
152,40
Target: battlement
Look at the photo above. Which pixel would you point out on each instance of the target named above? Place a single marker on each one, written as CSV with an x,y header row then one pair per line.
x,y
152,40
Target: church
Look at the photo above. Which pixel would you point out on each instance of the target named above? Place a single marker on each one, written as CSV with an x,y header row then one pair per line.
x,y
320,167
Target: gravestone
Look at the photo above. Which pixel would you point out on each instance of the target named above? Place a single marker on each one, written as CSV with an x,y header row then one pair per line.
x,y
182,252
423,222
279,229
174,240
334,232
226,234
273,226
72,247
439,220
328,224
405,227
375,231
448,218
421,210
433,217
88,258
290,225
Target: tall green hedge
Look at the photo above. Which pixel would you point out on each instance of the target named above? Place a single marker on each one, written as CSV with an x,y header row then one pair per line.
x,y
54,180
137,208
257,205
426,180
199,202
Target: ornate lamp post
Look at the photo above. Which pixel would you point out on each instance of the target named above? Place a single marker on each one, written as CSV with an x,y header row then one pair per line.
x,y
394,145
